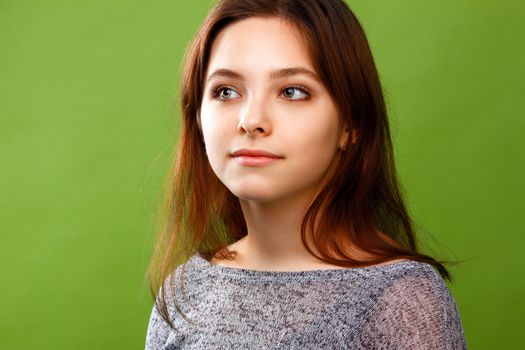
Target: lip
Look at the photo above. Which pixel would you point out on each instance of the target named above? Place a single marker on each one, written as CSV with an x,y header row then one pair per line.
x,y
255,157
254,153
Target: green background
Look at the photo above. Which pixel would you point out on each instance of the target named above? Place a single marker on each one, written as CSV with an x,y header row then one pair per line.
x,y
87,124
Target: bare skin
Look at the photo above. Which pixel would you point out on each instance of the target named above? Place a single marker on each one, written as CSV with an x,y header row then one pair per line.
x,y
249,111
245,259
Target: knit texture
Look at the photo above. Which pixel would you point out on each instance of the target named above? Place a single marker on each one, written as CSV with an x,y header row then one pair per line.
x,y
402,305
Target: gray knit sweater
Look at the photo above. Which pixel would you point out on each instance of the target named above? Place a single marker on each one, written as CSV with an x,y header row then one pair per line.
x,y
401,305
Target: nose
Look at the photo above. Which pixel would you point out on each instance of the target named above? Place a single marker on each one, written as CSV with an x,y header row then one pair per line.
x,y
254,118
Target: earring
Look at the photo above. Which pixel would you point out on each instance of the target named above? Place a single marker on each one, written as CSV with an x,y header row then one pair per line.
x,y
345,147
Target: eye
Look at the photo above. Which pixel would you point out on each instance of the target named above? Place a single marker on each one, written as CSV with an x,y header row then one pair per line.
x,y
295,93
226,93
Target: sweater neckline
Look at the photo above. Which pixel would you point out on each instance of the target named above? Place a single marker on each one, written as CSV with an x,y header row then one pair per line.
x,y
202,263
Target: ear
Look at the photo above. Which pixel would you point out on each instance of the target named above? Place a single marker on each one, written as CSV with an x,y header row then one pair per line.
x,y
345,137
343,140
355,132
199,123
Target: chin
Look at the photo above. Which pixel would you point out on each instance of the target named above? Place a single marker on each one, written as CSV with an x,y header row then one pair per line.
x,y
253,196
251,189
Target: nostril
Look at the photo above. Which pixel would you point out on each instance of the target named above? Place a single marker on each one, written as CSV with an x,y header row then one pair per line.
x,y
254,127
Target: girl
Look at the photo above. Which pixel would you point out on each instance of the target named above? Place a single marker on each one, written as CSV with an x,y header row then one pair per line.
x,y
285,227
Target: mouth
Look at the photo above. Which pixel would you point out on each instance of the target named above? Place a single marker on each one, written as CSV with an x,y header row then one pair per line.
x,y
254,153
255,158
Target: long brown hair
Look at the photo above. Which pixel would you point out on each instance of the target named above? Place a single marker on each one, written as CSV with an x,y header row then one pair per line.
x,y
361,204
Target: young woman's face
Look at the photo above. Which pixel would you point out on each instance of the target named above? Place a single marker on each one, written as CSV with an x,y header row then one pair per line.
x,y
271,129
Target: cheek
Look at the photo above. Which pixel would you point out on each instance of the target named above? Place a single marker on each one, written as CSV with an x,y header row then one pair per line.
x,y
217,120
209,122
213,145
216,133
317,139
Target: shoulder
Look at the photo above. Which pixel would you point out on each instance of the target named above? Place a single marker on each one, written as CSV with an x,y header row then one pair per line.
x,y
413,278
411,283
415,307
414,283
411,291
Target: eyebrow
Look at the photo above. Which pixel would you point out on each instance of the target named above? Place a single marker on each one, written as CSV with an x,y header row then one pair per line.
x,y
281,73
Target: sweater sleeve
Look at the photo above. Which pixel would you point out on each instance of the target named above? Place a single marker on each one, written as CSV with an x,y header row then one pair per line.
x,y
415,312
158,330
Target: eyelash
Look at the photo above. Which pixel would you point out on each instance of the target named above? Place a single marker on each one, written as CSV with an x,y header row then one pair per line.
x,y
216,92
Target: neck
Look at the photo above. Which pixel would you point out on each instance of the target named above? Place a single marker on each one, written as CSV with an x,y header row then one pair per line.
x,y
274,234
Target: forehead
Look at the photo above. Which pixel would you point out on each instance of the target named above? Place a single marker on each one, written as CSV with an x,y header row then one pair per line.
x,y
259,44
